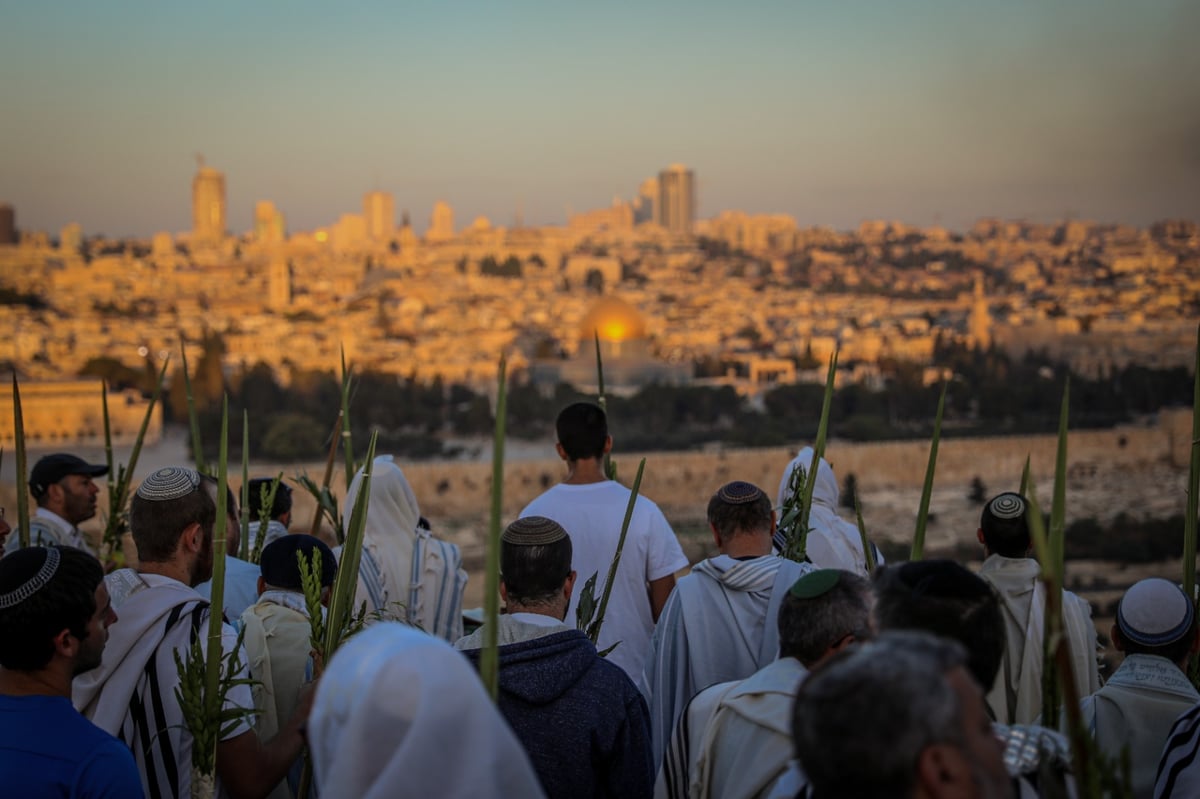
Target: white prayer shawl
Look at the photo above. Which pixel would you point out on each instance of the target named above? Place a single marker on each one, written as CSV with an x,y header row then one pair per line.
x,y
389,535
132,693
1016,697
275,531
791,783
833,542
47,528
748,741
277,639
1137,708
1179,768
719,624
401,713
675,774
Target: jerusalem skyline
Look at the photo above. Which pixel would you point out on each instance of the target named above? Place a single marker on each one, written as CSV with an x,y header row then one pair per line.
x,y
927,114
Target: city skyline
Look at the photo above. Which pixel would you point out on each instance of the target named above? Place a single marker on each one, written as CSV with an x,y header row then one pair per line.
x,y
934,113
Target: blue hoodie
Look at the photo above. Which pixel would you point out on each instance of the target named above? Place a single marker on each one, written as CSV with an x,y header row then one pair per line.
x,y
580,718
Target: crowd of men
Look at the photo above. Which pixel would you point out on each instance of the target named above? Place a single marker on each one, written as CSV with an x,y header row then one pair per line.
x,y
752,676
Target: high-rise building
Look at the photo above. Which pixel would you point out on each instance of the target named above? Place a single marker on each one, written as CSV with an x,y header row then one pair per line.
x,y
8,224
441,225
646,200
279,284
269,226
379,209
676,206
70,238
208,205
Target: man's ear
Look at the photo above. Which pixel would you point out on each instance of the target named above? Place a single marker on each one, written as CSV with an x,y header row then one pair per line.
x,y
716,535
979,536
1114,633
943,772
503,592
569,586
562,453
607,444
66,644
262,585
774,519
192,540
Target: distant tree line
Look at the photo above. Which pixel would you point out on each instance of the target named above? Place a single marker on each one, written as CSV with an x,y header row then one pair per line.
x,y
990,394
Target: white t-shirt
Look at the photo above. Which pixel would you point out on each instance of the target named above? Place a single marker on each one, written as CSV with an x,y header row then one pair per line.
x,y
592,515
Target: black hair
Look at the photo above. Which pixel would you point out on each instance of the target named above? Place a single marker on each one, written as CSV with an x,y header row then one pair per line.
x,y
156,525
1008,537
66,602
942,597
533,575
283,497
582,429
746,517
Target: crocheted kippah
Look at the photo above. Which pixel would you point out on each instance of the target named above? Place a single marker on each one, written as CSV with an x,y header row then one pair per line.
x,y
739,492
35,583
815,584
1007,506
533,531
172,482
1154,612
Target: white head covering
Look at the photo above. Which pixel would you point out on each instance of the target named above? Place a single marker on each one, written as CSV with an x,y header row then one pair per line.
x,y
833,543
400,713
391,527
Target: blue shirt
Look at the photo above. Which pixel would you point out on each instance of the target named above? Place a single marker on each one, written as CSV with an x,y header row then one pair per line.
x,y
47,749
241,587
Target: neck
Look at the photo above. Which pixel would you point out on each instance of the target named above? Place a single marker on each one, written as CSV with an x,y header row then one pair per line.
x,y
583,471
744,545
171,568
46,682
557,611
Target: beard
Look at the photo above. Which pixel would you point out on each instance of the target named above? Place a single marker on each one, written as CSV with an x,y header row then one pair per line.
x,y
90,656
202,567
79,507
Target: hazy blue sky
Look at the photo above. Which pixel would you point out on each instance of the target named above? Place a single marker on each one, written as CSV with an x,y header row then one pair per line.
x,y
835,112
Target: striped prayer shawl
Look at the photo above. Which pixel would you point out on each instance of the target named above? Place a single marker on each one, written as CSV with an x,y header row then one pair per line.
x,y
435,593
436,584
1179,769
718,625
131,695
153,727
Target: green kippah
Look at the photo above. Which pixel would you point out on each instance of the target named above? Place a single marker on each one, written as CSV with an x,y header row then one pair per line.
x,y
533,531
815,583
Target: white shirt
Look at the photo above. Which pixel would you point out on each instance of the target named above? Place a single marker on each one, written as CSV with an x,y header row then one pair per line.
x,y
592,514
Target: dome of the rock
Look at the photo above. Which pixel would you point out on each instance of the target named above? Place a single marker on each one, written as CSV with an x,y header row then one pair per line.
x,y
614,320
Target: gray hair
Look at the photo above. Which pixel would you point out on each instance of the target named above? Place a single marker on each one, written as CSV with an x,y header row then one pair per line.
x,y
861,721
809,626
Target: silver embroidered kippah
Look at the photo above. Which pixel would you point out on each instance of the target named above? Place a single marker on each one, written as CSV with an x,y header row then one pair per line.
x,y
172,482
1008,506
739,492
34,583
533,531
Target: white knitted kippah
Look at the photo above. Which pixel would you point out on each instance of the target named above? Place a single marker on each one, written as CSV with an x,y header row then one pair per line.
x,y
34,583
169,483
1007,506
1154,612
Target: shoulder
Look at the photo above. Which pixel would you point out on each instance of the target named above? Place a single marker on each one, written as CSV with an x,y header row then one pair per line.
x,y
109,770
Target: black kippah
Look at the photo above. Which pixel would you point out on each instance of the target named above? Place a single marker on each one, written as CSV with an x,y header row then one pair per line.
x,y
943,579
533,531
739,492
281,569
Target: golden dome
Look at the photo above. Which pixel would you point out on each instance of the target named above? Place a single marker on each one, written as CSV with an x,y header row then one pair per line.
x,y
614,320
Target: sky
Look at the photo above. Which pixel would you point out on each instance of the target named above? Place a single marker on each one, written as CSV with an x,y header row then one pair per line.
x,y
923,111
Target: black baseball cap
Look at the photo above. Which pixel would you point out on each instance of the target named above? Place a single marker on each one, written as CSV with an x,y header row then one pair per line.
x,y
52,468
